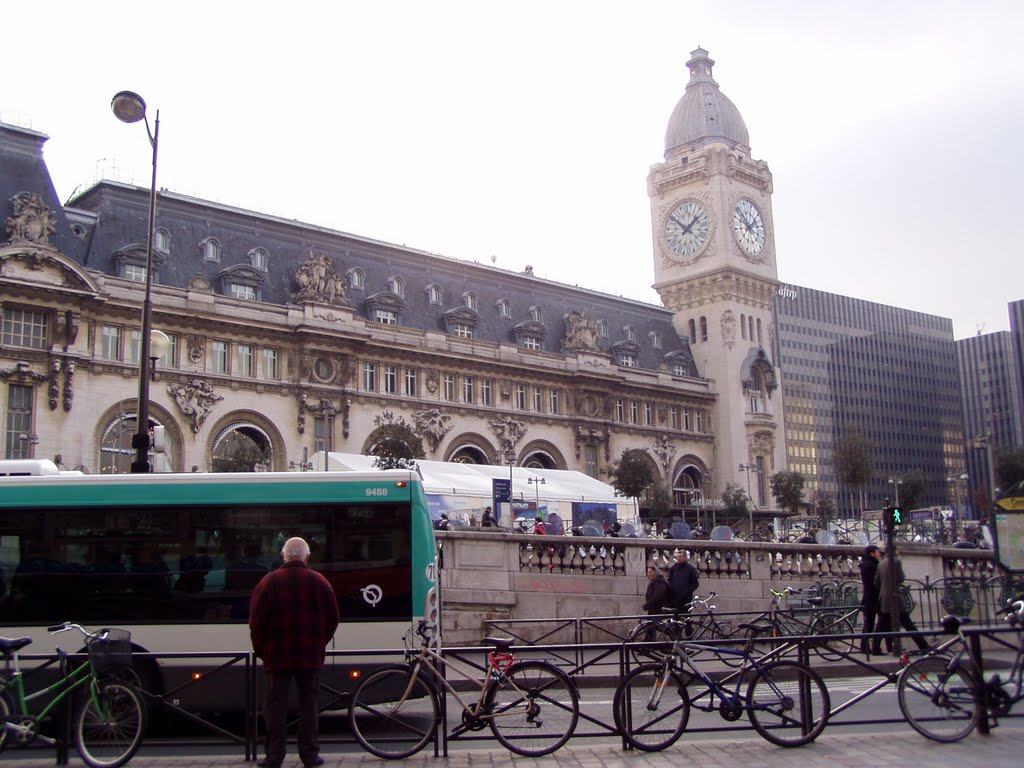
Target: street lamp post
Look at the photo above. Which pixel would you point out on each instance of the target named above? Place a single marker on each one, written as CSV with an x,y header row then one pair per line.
x,y
895,482
536,482
129,107
748,468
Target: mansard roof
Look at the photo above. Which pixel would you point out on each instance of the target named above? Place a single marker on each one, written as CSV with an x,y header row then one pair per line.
x,y
120,214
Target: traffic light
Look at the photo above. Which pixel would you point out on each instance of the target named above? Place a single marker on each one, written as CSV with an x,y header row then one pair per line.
x,y
893,516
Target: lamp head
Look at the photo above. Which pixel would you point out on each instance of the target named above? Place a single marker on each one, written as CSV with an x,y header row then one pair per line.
x,y
128,107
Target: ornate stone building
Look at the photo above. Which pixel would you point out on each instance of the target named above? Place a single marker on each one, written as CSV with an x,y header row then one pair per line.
x,y
288,338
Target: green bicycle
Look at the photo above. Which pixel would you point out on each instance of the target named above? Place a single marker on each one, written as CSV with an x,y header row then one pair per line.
x,y
107,725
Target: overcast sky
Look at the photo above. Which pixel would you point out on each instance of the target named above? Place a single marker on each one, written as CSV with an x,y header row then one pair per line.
x,y
523,132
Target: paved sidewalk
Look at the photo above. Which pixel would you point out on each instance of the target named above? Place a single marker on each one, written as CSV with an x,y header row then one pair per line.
x,y
1002,749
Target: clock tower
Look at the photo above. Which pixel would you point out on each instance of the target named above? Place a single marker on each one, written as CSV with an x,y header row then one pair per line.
x,y
715,268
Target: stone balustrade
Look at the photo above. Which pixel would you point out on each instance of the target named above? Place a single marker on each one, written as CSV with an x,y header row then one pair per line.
x,y
501,575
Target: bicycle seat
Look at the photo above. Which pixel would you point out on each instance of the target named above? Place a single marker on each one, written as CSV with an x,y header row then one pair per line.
x,y
9,645
815,600
500,643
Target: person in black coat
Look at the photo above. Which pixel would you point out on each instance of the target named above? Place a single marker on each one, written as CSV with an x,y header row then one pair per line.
x,y
869,592
682,582
890,570
656,597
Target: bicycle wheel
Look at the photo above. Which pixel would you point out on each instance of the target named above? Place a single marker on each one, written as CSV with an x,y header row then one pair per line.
x,y
651,631
844,642
787,703
533,709
651,712
392,715
110,724
936,697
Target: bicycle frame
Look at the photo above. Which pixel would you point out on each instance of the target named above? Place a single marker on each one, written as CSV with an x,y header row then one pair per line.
x,y
682,650
59,691
428,659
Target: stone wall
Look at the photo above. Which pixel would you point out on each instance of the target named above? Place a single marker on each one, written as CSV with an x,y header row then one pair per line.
x,y
515,577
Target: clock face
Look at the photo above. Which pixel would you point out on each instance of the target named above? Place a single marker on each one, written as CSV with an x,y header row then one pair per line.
x,y
748,227
686,229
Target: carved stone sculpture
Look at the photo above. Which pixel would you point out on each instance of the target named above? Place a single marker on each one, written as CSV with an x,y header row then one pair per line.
x,y
433,425
32,222
195,401
580,333
317,281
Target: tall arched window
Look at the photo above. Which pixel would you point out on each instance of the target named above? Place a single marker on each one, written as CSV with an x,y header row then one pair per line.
x,y
743,326
693,331
759,331
703,328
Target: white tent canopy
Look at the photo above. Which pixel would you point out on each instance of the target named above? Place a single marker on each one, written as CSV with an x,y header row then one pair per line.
x,y
450,478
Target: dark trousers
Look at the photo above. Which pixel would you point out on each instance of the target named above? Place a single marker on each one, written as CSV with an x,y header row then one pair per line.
x,y
275,714
870,614
884,622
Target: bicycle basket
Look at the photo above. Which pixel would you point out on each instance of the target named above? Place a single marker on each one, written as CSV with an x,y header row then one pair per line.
x,y
110,651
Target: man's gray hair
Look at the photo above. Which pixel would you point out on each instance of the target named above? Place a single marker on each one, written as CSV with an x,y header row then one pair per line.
x,y
295,549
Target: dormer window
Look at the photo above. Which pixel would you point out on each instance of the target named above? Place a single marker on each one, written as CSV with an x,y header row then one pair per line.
x,y
356,279
211,249
130,263
259,259
396,286
530,335
162,240
537,314
434,295
629,332
602,329
655,337
241,281
469,300
504,308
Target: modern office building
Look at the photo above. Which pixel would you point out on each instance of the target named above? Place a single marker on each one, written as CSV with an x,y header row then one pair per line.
x,y
992,391
888,374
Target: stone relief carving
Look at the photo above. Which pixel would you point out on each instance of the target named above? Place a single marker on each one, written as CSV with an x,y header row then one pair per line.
x,y
303,397
433,424
54,388
728,328
585,435
195,401
69,386
22,373
196,350
433,379
665,451
580,333
317,281
199,283
32,222
509,431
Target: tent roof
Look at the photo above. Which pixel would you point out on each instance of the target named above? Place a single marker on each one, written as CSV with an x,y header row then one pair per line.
x,y
443,477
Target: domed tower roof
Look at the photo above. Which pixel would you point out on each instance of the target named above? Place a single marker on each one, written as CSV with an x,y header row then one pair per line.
x,y
704,114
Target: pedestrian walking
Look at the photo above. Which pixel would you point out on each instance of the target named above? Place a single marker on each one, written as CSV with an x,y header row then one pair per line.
x,y
869,591
890,569
292,617
487,520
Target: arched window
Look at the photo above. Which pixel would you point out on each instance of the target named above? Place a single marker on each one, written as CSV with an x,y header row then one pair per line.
x,y
629,332
743,326
258,258
750,327
693,331
759,330
434,294
757,392
504,308
116,452
602,329
242,448
703,328
469,300
211,249
537,314
356,279
396,286
655,337
162,240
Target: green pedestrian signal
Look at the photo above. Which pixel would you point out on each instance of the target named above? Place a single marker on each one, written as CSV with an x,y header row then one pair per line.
x,y
893,516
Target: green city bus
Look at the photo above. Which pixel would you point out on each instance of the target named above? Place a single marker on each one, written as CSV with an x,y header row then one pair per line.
x,y
174,558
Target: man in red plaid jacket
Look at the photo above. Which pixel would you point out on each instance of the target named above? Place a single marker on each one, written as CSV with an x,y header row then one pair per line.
x,y
292,617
